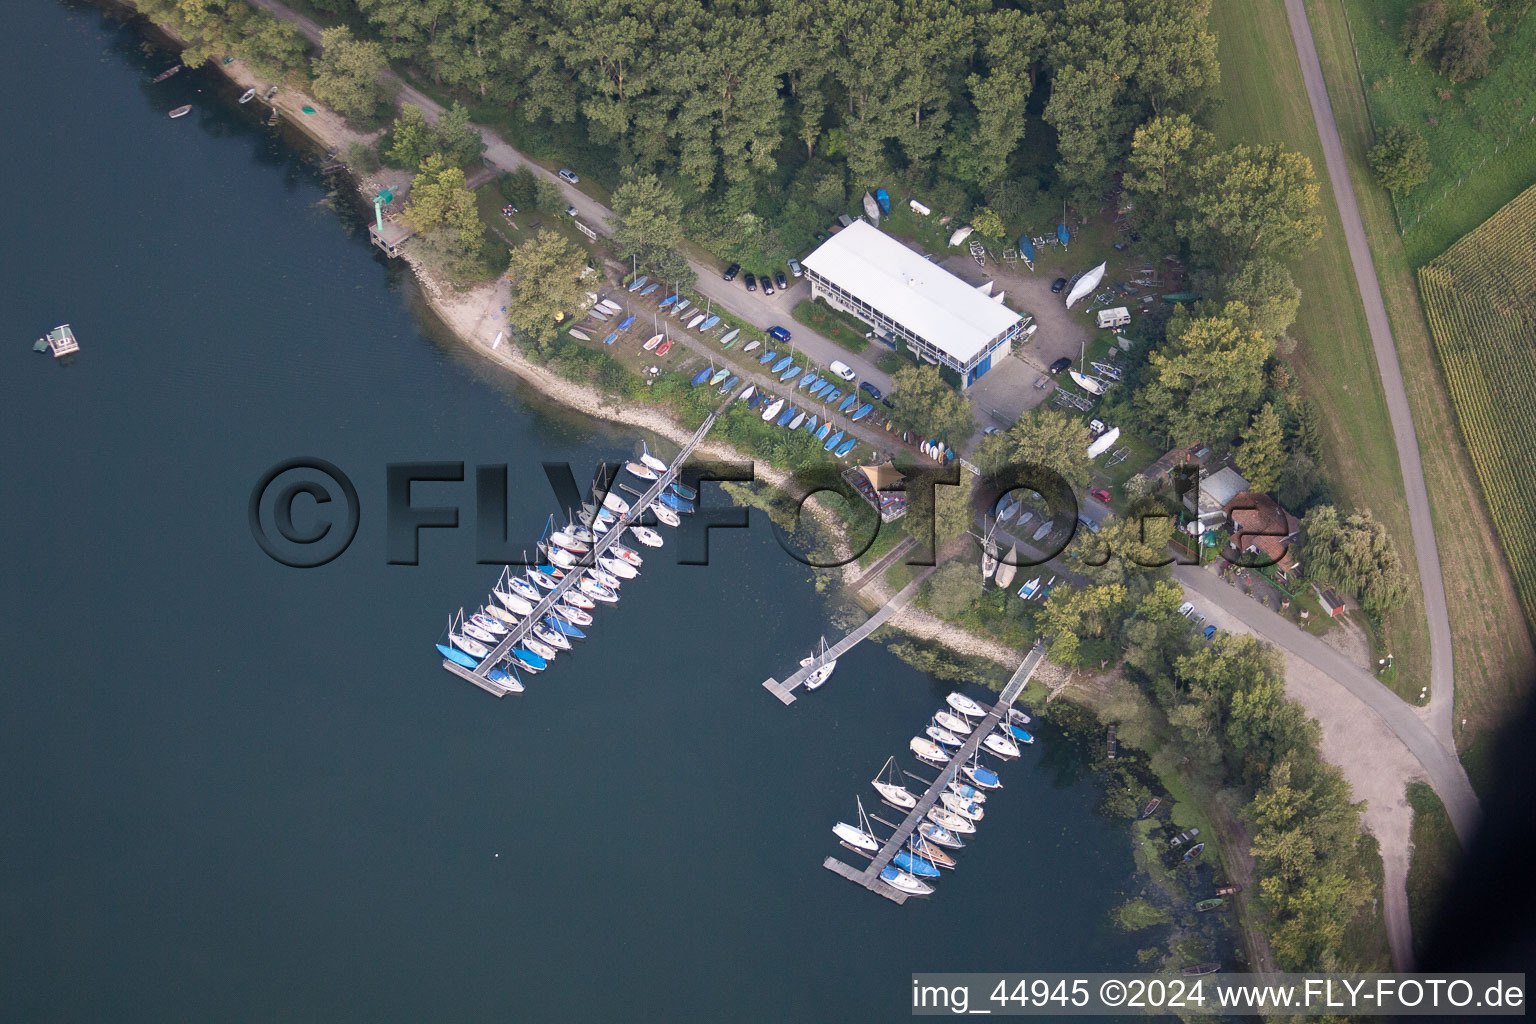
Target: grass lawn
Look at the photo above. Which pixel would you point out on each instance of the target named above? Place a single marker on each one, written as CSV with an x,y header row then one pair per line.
x,y
1481,139
1436,852
1491,641
1265,101
830,323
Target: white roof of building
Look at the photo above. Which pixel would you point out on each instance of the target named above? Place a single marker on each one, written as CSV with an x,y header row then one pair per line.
x,y
921,296
1218,489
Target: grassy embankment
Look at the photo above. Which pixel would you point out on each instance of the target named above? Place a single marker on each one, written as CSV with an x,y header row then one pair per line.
x,y
1491,642
1482,140
1264,101
1436,852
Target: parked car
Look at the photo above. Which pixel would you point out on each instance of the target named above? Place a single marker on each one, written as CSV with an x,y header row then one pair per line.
x,y
767,284
571,211
795,268
750,280
1210,631
1060,366
1092,526
1101,494
1058,284
780,280
780,334
840,368
887,403
871,390
731,271
991,430
568,175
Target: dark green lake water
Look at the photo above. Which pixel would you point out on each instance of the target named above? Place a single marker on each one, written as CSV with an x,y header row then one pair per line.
x,y
233,790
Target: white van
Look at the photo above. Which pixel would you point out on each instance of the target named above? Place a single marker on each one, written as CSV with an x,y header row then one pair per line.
x,y
842,369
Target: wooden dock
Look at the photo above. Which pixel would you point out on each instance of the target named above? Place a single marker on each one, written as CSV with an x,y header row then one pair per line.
x,y
480,675
785,691
869,877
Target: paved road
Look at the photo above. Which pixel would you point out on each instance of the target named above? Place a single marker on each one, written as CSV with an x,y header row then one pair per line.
x,y
1441,669
754,307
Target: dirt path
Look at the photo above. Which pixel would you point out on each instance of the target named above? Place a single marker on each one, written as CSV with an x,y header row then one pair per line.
x,y
1441,670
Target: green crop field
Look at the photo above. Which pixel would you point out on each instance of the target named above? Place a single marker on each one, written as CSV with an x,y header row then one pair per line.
x,y
1480,297
1482,134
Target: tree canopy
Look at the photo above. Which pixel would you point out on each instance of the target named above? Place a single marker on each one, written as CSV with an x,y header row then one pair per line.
x,y
923,403
649,222
547,285
1355,553
1252,201
1261,456
1044,437
346,74
1201,383
1401,159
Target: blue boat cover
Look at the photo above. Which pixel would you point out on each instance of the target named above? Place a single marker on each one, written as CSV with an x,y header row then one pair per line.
x,y
707,324
833,396
916,865
833,441
864,410
793,371
767,358
702,376
846,447
826,428
847,403
810,424
754,400
667,301
987,775
626,323
684,491
1062,234
778,366
611,338
1026,248
457,656
786,416
528,658
810,375
1020,734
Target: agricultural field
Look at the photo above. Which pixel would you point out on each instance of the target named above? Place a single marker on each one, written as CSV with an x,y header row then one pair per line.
x,y
1480,298
1481,133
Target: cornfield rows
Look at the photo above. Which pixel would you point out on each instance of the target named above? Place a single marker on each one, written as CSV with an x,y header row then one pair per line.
x,y
1480,297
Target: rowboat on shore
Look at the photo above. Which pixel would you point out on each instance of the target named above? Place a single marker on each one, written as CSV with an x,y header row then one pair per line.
x,y
579,335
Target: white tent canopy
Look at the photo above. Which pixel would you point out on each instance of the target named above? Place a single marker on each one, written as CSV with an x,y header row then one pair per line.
x,y
1086,284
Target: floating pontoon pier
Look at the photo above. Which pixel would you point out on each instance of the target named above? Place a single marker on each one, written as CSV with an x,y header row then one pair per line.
x,y
60,341
869,877
480,675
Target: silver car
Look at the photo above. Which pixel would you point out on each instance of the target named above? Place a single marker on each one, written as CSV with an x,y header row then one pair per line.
x,y
569,176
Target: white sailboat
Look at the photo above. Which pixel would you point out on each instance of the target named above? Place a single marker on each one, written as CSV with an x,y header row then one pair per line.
x,y
967,809
1001,745
652,461
893,791
618,567
963,704
929,751
988,558
824,666
645,535
954,723
858,836
666,515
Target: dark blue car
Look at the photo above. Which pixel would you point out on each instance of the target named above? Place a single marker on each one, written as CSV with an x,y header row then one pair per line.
x,y
873,391
779,333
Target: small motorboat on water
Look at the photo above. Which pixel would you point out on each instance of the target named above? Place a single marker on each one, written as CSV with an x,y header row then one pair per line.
x,y
985,778
167,73
641,470
970,810
666,515
929,751
247,96
629,555
916,866
1194,852
647,536
950,820
1018,717
902,882
1001,745
954,723
182,111
893,791
457,657
939,835
683,491
963,704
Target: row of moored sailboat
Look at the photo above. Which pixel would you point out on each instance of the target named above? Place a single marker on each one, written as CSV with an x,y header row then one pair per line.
x,y
519,597
961,804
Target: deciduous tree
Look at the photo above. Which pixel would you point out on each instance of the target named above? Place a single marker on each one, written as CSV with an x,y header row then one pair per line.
x,y
1261,457
347,73
1047,438
1205,378
547,285
923,403
1400,159
1252,201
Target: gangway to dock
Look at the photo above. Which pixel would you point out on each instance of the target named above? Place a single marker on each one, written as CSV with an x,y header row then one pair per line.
x,y
785,691
869,877
480,675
